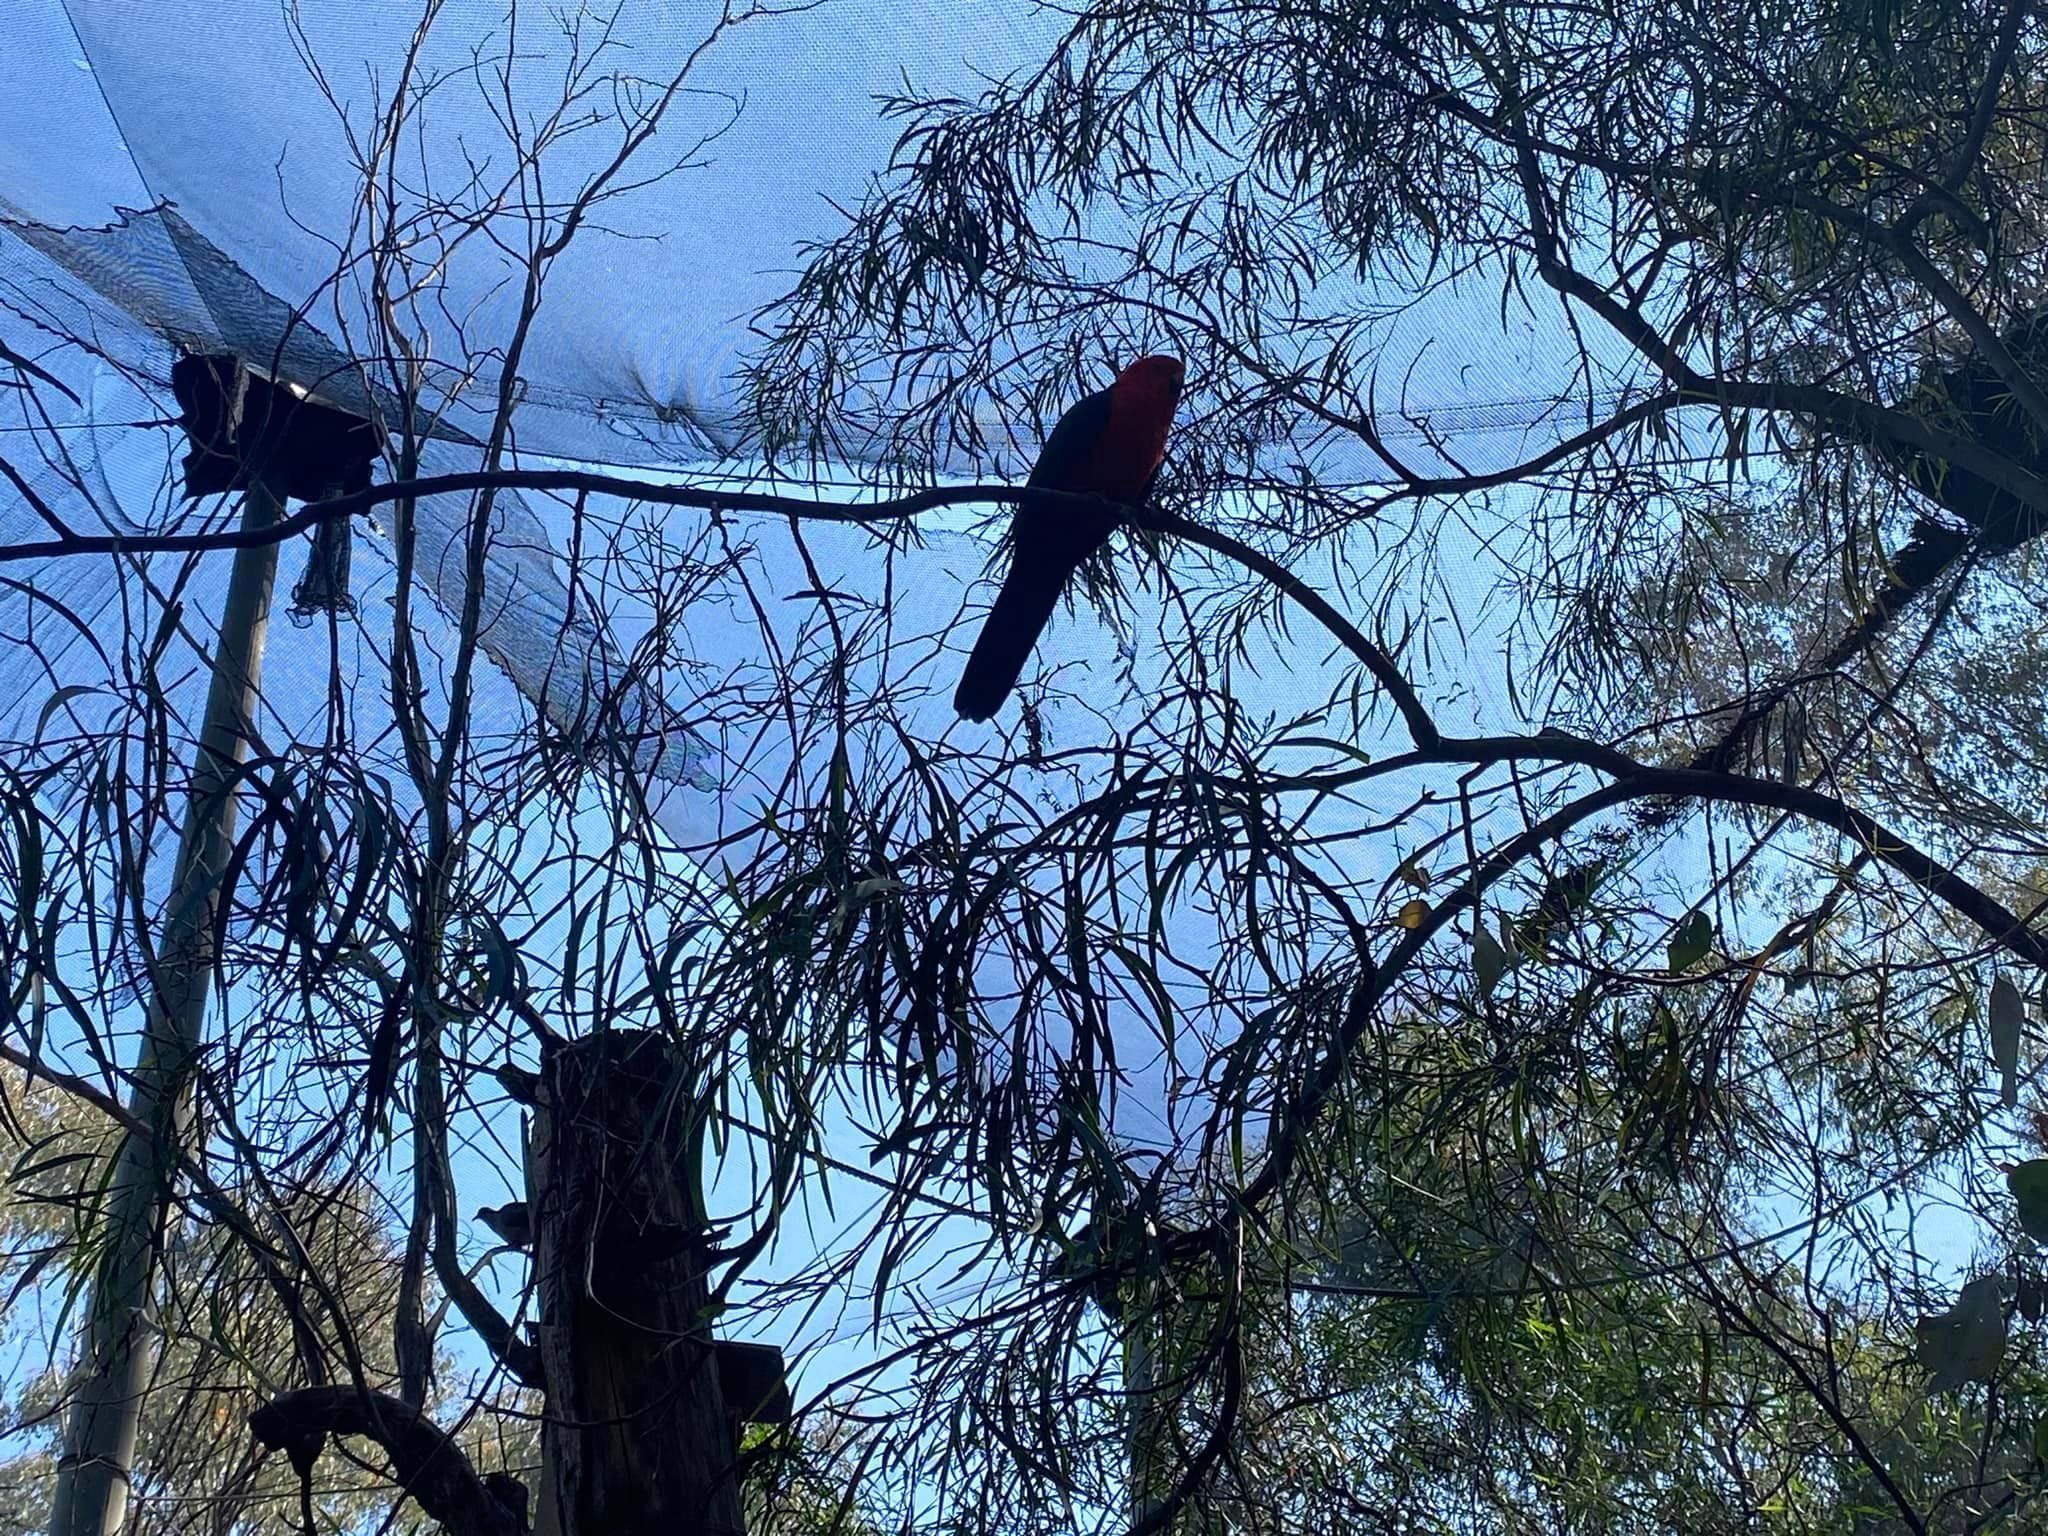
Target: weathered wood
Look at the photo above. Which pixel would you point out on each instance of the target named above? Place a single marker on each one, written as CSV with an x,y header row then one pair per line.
x,y
636,1439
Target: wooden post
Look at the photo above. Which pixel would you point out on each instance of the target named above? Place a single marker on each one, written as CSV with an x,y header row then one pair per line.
x,y
636,1440
93,1471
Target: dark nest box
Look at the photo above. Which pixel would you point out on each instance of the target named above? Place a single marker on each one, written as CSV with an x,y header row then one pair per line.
x,y
754,1381
244,428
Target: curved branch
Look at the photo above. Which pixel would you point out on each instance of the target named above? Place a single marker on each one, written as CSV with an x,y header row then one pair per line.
x,y
429,1465
1632,781
1378,979
1420,726
1636,781
518,1357
1862,420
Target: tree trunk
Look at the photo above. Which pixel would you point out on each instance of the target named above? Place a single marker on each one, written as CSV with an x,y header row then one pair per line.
x,y
636,1441
93,1471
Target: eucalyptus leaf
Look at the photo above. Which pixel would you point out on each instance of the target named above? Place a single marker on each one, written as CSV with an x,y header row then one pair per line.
x,y
58,700
1965,1343
1690,945
1489,959
2029,1185
2008,1013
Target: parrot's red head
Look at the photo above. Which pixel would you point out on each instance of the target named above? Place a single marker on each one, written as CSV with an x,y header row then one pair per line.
x,y
1156,378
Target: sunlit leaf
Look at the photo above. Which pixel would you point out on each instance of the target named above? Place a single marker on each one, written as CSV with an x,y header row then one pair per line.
x,y
1489,959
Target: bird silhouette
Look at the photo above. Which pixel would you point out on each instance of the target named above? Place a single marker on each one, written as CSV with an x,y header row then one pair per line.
x,y
1109,444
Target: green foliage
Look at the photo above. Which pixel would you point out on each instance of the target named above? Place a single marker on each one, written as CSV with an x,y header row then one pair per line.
x,y
231,1340
1967,1342
1692,942
2029,1185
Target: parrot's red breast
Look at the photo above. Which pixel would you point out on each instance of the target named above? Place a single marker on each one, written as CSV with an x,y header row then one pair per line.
x,y
1130,443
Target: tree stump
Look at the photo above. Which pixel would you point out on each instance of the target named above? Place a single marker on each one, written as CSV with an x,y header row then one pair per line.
x,y
636,1441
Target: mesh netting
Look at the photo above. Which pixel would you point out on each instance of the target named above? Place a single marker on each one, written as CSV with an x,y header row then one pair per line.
x,y
206,198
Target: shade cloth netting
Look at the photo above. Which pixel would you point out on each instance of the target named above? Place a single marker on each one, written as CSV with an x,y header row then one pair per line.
x,y
180,177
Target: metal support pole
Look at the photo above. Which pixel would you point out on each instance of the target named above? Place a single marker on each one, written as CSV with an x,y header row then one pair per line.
x,y
1141,1407
93,1473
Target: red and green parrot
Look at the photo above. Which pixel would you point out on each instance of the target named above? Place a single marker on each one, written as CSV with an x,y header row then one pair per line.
x,y
1109,444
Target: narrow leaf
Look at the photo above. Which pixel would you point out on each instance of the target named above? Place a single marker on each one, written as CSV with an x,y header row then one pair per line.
x,y
2008,1012
2029,1185
1489,960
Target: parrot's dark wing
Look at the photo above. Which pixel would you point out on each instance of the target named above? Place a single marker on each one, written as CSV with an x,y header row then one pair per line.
x,y
1039,565
1071,444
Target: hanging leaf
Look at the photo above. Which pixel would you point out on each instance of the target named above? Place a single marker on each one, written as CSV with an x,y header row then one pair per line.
x,y
1413,913
1565,896
1570,890
1965,1343
2030,1297
1689,946
2008,1012
2029,1185
58,700
1489,959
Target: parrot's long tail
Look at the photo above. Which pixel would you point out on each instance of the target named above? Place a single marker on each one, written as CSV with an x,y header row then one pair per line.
x,y
1021,611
